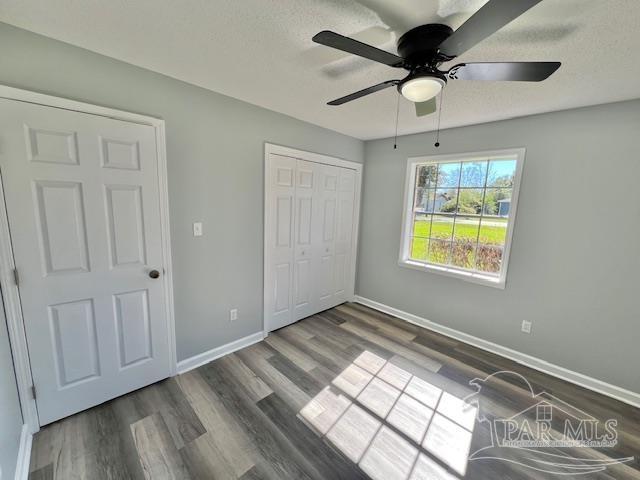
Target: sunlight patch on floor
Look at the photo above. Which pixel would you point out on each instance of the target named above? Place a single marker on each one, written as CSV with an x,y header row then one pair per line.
x,y
353,432
394,425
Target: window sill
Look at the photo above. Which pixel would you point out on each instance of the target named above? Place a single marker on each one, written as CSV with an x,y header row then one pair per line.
x,y
454,273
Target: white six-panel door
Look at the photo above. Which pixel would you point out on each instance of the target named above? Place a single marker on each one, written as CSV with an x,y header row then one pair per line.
x,y
84,212
309,230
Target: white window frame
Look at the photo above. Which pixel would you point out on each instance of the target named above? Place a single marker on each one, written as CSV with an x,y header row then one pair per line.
x,y
407,216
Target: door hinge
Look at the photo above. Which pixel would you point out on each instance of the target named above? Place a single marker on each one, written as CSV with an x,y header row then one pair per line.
x,y
33,391
16,277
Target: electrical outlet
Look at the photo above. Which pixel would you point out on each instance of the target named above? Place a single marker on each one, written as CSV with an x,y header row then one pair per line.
x,y
197,229
526,326
233,314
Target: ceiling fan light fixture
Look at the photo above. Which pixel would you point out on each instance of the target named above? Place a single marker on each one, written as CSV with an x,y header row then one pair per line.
x,y
421,89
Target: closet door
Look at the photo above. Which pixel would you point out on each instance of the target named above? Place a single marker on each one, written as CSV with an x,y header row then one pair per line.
x,y
279,241
325,235
310,221
344,236
303,277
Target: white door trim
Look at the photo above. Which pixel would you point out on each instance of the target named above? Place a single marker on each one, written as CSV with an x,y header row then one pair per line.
x,y
10,294
270,148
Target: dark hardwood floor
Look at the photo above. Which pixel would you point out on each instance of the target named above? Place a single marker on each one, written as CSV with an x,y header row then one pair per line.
x,y
349,393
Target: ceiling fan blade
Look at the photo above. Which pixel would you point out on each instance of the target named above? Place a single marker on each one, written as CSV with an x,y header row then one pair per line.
x,y
349,45
493,15
362,93
426,108
509,71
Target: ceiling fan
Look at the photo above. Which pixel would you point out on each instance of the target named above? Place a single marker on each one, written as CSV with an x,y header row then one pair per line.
x,y
423,49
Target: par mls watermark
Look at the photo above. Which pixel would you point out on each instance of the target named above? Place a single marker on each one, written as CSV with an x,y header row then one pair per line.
x,y
549,435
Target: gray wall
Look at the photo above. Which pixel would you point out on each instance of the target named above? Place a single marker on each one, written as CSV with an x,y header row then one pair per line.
x,y
215,148
575,255
10,415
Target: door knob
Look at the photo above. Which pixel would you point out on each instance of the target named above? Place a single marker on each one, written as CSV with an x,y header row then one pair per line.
x,y
154,274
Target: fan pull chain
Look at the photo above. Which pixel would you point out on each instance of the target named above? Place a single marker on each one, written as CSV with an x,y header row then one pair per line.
x,y
437,144
395,138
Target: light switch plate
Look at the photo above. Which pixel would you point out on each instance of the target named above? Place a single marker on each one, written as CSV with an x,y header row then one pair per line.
x,y
233,314
197,229
526,326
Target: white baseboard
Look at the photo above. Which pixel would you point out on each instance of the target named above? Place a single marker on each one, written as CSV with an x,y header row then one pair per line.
x,y
24,454
626,396
209,356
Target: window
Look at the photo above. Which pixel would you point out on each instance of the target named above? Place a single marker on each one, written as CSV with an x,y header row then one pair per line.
x,y
459,214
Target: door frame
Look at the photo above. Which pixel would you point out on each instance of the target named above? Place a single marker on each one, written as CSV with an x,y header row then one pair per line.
x,y
10,291
272,148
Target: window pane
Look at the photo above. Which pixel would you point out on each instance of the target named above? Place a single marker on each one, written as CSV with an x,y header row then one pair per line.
x,y
470,201
442,227
439,251
463,254
493,230
446,200
501,173
466,229
419,249
426,176
497,201
489,258
448,174
473,174
424,199
421,225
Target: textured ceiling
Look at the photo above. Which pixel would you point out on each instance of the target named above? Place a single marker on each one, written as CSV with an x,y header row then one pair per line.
x,y
261,51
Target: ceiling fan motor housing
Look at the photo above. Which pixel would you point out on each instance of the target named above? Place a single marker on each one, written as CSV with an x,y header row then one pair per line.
x,y
419,46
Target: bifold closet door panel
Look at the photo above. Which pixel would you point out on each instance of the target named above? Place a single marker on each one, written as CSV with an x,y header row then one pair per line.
x,y
325,235
344,235
303,277
279,240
